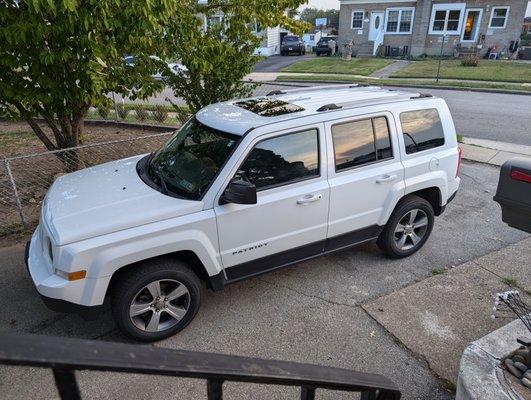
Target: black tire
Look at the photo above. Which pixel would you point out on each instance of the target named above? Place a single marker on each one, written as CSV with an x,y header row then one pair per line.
x,y
130,286
389,240
317,54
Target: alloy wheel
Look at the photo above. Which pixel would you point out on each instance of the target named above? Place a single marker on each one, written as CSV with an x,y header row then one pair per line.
x,y
411,229
159,305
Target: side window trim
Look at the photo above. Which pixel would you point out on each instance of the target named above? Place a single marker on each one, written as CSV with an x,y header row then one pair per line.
x,y
302,179
362,118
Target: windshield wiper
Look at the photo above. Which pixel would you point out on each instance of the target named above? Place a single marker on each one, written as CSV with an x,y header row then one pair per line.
x,y
163,185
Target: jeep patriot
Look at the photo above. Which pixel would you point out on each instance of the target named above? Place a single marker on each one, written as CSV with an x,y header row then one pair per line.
x,y
243,188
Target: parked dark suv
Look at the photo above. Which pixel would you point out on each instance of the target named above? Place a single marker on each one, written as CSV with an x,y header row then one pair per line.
x,y
322,46
292,44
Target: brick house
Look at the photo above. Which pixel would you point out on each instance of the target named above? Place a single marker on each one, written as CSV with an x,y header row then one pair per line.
x,y
416,27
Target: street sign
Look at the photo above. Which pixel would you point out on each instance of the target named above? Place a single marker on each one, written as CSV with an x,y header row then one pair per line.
x,y
321,21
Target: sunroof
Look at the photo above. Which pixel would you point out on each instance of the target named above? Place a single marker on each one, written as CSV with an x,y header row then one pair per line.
x,y
269,107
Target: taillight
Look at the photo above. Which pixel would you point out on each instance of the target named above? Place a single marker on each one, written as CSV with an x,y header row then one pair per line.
x,y
520,176
459,154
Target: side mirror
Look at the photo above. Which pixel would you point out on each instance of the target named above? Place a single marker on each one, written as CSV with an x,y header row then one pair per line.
x,y
240,192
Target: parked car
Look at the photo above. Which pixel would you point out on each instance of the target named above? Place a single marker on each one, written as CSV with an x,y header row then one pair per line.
x,y
292,44
175,68
243,188
323,47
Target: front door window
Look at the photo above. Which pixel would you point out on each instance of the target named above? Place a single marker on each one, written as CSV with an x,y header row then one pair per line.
x,y
471,28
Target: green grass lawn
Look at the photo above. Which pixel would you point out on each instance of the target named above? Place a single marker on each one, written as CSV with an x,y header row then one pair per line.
x,y
408,82
488,70
336,65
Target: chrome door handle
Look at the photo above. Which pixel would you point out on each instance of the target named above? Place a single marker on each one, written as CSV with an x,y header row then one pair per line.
x,y
386,178
309,198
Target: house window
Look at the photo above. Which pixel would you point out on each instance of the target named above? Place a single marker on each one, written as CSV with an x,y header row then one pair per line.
x,y
447,19
399,20
213,20
498,17
357,19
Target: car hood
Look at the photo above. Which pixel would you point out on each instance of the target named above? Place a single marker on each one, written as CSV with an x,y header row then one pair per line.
x,y
104,199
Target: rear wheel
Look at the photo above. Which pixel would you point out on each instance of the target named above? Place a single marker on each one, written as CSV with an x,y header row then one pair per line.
x,y
408,228
156,300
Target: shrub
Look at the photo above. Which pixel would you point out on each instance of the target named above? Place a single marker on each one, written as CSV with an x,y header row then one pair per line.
x,y
122,111
470,61
141,113
104,110
159,113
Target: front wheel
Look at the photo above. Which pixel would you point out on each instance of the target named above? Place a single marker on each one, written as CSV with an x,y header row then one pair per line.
x,y
155,300
408,228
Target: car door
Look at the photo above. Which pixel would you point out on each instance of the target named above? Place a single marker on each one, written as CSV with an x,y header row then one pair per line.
x,y
289,221
366,177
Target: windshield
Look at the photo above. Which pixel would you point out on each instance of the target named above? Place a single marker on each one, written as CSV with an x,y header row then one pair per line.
x,y
291,39
188,163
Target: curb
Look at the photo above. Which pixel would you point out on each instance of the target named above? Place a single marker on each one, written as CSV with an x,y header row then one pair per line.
x,y
463,89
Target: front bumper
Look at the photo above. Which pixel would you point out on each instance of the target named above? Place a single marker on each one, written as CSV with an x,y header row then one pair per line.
x,y
57,293
291,49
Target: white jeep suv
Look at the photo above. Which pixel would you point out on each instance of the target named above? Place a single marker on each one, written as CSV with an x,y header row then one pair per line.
x,y
244,187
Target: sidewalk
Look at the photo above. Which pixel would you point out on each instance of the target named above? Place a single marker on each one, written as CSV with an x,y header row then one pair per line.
x,y
492,152
437,317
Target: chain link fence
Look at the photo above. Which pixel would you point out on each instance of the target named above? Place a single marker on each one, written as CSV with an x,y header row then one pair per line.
x,y
25,179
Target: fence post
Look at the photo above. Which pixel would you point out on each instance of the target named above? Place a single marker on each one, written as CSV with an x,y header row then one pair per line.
x,y
15,193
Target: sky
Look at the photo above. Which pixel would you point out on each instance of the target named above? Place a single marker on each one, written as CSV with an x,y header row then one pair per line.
x,y
327,4
324,4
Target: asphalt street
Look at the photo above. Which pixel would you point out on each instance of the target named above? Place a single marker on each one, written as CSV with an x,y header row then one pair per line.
x,y
309,313
494,116
277,63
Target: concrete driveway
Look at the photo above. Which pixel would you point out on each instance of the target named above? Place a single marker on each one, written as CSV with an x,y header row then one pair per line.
x,y
311,313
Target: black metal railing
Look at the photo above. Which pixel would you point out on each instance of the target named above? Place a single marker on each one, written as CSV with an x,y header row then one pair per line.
x,y
65,356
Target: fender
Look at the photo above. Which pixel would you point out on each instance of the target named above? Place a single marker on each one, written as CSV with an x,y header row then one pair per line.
x,y
104,255
438,179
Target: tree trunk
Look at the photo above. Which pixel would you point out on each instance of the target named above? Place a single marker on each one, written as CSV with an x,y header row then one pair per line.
x,y
67,134
72,130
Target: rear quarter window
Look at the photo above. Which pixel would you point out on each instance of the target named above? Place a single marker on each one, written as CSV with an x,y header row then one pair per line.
x,y
422,130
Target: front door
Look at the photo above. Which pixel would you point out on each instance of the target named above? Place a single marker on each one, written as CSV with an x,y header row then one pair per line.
x,y
376,25
289,221
471,25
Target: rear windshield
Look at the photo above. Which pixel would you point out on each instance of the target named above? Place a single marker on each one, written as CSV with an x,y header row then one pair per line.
x,y
269,107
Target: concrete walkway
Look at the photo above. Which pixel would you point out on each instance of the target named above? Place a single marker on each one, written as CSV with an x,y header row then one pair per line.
x,y
438,317
386,72
491,151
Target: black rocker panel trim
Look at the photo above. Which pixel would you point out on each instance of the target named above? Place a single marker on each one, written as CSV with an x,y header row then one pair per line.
x,y
352,238
285,258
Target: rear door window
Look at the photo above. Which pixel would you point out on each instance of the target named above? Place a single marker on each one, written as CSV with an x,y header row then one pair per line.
x,y
361,142
422,130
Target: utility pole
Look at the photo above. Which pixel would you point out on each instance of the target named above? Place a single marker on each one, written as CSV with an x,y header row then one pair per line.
x,y
440,57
